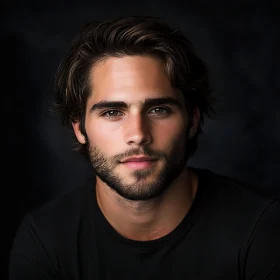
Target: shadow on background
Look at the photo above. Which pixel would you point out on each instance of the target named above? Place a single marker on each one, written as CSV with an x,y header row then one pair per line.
x,y
22,174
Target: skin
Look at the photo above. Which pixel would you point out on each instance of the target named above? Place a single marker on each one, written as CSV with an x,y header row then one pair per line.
x,y
148,200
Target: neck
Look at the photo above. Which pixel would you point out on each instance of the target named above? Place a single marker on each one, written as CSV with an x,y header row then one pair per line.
x,y
151,219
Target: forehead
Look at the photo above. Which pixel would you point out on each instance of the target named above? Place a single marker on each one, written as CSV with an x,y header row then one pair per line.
x,y
130,79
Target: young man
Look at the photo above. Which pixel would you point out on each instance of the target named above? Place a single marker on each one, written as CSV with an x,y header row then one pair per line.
x,y
135,94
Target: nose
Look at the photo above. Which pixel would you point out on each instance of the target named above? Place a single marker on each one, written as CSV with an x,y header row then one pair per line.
x,y
137,131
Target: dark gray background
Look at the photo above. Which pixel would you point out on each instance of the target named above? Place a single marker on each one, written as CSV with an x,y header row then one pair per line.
x,y
238,39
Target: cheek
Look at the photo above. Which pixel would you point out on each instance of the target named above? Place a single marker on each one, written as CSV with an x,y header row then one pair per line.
x,y
102,137
170,133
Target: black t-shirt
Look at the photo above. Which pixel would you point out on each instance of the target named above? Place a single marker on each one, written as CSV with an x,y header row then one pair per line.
x,y
230,232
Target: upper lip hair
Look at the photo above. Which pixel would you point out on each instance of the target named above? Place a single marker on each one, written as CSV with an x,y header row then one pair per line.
x,y
139,158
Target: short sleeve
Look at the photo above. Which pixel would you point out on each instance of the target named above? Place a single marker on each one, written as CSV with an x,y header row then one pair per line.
x,y
29,258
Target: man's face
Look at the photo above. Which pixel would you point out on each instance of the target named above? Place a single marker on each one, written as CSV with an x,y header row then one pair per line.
x,y
136,126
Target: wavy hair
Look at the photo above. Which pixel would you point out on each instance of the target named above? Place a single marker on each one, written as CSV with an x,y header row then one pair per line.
x,y
138,35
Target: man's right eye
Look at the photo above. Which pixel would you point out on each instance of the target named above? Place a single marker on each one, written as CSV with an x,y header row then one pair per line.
x,y
112,114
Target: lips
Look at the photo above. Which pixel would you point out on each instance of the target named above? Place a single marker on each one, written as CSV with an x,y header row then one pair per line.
x,y
139,163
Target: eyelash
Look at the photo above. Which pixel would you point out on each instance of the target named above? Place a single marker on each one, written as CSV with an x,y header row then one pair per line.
x,y
104,114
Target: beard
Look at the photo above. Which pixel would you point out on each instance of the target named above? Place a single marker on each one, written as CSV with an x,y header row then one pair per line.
x,y
140,190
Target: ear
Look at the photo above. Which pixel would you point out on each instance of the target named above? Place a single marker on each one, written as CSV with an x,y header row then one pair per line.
x,y
195,122
80,137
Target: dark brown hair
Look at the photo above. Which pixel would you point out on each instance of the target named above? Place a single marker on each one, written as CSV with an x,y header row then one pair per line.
x,y
139,35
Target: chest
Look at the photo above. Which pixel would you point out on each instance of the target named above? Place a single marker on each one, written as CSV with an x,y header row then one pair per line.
x,y
188,258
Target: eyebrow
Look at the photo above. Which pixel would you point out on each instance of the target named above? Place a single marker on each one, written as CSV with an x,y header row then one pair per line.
x,y
149,102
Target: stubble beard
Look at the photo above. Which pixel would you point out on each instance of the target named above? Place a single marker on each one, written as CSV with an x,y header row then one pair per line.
x,y
140,190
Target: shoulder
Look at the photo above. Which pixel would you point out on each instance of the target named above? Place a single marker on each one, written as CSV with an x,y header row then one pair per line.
x,y
49,235
62,213
235,205
234,192
45,234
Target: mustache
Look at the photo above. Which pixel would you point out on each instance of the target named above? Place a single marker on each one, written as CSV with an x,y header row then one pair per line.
x,y
141,151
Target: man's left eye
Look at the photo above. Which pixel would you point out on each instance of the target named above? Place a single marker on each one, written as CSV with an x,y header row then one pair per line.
x,y
159,110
